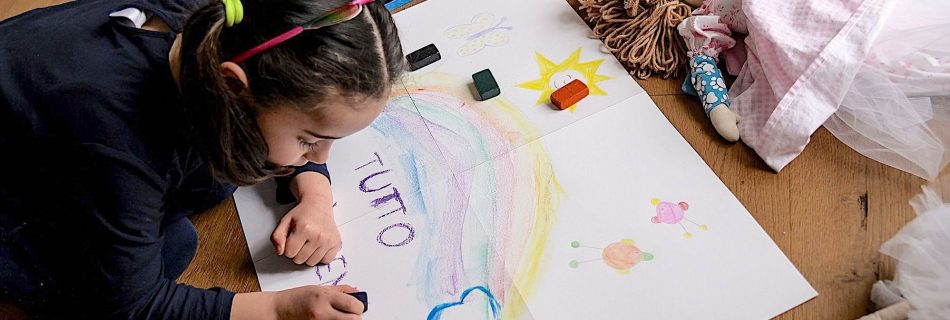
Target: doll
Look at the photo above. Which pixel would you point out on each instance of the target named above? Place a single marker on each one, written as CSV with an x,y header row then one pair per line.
x,y
643,35
708,34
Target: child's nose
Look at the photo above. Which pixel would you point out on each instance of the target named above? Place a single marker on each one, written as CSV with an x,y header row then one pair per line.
x,y
314,156
310,156
300,162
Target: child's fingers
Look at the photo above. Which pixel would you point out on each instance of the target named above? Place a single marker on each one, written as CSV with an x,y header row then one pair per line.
x,y
294,243
306,251
313,260
344,316
332,313
330,255
344,288
279,237
320,253
346,303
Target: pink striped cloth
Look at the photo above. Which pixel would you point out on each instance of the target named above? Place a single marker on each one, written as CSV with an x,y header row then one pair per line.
x,y
801,58
876,73
798,61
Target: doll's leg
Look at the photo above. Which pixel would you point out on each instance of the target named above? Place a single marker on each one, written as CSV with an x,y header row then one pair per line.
x,y
706,80
706,37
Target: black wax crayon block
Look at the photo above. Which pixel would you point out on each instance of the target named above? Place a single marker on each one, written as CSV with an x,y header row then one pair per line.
x,y
423,57
485,85
362,297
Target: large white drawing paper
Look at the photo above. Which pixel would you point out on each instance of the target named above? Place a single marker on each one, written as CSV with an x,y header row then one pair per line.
x,y
452,208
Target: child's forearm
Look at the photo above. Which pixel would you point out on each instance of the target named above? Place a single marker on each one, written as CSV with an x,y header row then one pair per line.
x,y
253,305
307,302
311,185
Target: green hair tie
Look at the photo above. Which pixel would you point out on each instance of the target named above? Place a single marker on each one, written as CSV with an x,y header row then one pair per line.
x,y
233,12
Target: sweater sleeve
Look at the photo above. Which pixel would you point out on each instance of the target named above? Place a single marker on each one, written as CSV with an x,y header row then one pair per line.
x,y
284,195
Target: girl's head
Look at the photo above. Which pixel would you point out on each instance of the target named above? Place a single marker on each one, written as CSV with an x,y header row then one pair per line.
x,y
287,105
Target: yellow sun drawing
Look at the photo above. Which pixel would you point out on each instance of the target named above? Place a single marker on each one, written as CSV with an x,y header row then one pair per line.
x,y
554,76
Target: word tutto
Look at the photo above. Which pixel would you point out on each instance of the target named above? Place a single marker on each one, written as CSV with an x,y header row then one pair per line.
x,y
387,194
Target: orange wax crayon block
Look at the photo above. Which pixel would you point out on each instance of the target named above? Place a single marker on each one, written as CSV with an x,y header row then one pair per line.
x,y
568,95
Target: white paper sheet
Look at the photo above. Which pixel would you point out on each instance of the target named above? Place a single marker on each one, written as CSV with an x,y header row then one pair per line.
x,y
525,211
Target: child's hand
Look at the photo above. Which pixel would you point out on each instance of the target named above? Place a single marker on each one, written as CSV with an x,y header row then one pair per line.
x,y
318,302
308,233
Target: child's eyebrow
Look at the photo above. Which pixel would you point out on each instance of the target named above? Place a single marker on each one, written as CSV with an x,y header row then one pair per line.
x,y
321,136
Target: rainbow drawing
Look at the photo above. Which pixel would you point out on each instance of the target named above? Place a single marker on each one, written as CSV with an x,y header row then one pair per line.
x,y
491,227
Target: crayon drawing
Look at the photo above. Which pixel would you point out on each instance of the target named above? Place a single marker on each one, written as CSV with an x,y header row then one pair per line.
x,y
554,76
437,311
621,255
482,32
674,213
471,135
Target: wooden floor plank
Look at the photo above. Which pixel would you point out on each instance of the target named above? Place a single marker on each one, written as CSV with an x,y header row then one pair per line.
x,y
223,259
16,7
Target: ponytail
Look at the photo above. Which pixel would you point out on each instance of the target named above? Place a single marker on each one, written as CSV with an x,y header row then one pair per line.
x,y
230,139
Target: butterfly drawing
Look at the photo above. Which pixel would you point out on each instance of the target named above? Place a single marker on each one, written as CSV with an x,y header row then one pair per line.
x,y
481,32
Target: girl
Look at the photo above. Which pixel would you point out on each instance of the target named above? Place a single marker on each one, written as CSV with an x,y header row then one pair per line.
x,y
114,127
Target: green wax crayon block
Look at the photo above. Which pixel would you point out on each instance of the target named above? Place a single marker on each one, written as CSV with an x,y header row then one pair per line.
x,y
485,85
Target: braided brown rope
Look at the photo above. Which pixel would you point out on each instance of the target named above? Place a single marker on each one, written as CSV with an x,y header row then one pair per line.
x,y
641,33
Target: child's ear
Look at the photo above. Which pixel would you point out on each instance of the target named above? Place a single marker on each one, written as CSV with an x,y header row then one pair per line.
x,y
234,76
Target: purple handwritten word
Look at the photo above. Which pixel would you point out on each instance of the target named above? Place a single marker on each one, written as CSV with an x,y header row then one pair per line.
x,y
378,160
379,202
376,182
329,267
409,235
368,190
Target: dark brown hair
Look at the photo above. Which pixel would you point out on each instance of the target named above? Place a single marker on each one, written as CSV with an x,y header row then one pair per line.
x,y
360,58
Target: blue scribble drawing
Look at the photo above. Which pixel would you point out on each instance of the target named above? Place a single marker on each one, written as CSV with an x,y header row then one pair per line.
x,y
436,312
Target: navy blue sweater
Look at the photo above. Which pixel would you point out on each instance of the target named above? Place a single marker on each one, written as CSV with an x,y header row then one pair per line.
x,y
91,148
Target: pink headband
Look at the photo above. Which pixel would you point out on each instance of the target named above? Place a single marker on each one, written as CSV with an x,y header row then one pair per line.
x,y
341,14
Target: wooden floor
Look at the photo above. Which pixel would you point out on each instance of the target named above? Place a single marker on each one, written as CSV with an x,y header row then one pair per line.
x,y
829,211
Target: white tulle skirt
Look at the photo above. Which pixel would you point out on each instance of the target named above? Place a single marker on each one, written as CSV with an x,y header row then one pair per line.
x,y
922,251
897,109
